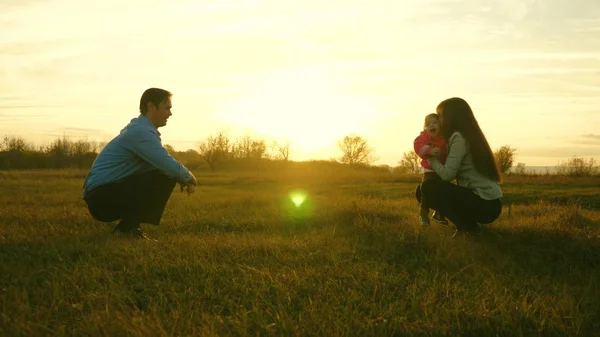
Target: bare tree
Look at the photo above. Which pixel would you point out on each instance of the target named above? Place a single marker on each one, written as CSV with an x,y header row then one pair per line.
x,y
247,147
215,149
578,167
282,149
16,144
410,163
355,150
60,147
505,157
170,149
83,147
258,149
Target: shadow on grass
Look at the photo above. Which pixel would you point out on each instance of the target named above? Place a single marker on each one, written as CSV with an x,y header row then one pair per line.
x,y
23,262
253,275
589,201
558,254
567,255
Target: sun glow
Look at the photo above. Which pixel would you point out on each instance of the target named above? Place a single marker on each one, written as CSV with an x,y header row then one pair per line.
x,y
304,105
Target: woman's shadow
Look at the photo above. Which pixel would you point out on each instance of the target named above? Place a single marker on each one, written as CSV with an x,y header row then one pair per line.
x,y
541,253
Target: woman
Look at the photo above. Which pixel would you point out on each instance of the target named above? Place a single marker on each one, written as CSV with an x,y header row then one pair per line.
x,y
477,197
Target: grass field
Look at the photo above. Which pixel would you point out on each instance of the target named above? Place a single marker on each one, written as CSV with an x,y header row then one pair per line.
x,y
239,258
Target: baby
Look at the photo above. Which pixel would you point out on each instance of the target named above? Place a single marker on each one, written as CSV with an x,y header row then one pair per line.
x,y
429,139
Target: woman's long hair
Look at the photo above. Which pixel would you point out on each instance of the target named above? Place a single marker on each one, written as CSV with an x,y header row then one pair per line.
x,y
456,115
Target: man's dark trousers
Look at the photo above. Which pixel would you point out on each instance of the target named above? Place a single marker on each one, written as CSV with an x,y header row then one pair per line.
x,y
139,198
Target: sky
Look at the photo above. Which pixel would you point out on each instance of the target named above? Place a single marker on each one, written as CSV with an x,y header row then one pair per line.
x,y
307,71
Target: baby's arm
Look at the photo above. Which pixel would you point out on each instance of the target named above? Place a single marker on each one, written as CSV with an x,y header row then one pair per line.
x,y
422,147
435,152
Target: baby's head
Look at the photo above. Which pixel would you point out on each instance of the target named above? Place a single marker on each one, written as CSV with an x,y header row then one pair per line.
x,y
432,124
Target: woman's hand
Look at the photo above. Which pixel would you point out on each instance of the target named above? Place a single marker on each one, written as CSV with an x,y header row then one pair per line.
x,y
435,152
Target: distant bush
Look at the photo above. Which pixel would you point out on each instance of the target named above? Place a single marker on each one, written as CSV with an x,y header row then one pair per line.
x,y
505,157
15,144
190,159
61,153
520,169
578,167
410,164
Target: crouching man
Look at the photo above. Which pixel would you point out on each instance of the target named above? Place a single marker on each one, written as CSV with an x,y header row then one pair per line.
x,y
132,178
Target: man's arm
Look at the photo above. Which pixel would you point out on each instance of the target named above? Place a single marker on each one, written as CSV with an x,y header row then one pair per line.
x,y
148,146
458,151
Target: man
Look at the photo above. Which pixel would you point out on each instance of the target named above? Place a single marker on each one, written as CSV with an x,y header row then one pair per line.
x,y
133,176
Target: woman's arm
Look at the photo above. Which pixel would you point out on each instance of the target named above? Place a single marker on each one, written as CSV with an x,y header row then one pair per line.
x,y
456,154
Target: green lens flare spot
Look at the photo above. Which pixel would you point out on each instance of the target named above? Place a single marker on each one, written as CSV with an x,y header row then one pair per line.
x,y
297,198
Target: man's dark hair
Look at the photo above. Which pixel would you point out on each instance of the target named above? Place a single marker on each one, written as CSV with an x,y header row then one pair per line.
x,y
154,96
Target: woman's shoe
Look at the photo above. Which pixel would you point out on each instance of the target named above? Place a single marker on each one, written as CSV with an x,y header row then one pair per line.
x,y
439,218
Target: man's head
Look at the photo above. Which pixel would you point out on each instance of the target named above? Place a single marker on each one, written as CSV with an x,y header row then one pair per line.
x,y
155,104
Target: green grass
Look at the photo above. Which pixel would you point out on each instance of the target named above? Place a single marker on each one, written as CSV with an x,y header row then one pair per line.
x,y
238,258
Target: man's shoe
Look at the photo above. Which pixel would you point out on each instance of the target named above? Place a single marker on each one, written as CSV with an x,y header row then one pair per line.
x,y
439,218
135,233
424,221
118,230
138,234
124,227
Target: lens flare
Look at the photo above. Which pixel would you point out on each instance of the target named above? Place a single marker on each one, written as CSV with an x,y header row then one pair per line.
x,y
298,199
298,206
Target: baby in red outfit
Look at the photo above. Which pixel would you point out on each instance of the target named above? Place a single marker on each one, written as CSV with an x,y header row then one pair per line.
x,y
429,139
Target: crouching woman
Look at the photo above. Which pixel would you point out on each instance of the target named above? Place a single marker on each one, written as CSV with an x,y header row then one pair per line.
x,y
476,198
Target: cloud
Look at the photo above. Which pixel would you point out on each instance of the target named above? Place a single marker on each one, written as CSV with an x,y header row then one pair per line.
x,y
516,24
77,132
9,10
10,5
7,119
56,46
5,24
560,152
35,68
8,98
591,139
5,107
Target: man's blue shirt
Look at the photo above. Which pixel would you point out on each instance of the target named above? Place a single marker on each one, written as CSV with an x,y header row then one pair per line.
x,y
136,149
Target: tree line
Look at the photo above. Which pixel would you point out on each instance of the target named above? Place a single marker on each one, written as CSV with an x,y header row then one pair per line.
x,y
220,150
505,158
17,153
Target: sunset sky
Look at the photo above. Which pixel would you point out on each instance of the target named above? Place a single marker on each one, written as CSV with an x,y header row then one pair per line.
x,y
310,71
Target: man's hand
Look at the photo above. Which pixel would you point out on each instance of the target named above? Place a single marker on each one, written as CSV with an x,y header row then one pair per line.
x,y
190,189
190,186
